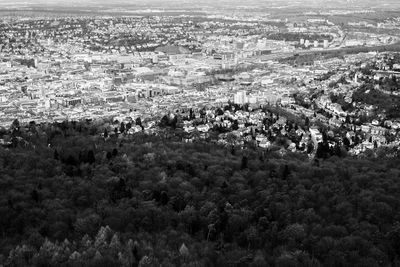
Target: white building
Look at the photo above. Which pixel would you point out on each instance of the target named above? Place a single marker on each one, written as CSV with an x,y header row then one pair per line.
x,y
316,135
240,98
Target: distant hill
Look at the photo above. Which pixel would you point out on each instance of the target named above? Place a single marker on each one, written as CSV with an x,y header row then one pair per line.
x,y
229,3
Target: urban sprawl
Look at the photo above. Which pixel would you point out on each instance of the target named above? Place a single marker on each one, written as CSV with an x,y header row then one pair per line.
x,y
311,84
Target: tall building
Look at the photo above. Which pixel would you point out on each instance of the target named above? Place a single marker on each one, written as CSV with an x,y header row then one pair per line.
x,y
356,78
326,44
240,98
155,59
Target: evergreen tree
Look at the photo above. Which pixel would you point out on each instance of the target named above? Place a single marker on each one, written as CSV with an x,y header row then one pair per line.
x,y
90,157
244,163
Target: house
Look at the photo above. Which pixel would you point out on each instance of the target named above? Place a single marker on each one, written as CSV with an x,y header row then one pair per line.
x,y
203,128
367,145
282,121
248,138
260,137
292,147
336,108
134,129
377,130
335,122
264,143
316,135
388,123
365,128
375,122
396,125
188,128
300,131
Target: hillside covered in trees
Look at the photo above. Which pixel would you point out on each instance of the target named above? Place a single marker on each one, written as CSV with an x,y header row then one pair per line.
x,y
70,197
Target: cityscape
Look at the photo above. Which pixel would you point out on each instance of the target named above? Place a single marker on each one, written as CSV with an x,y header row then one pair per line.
x,y
214,133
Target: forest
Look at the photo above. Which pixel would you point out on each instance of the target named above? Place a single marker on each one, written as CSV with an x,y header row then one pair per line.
x,y
70,196
387,103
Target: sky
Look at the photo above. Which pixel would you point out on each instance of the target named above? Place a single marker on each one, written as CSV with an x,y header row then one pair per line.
x,y
317,2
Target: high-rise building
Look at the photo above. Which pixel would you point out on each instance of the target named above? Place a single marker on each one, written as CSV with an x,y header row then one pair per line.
x,y
356,78
155,59
326,44
240,98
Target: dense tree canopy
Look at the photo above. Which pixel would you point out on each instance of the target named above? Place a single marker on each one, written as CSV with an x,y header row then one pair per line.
x,y
71,197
